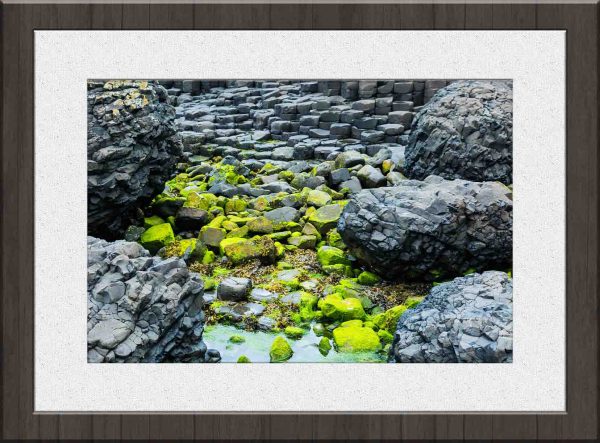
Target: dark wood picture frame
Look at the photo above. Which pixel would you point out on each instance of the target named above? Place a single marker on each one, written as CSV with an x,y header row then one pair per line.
x,y
581,21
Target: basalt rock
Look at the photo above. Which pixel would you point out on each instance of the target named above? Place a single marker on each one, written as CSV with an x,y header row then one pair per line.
x,y
467,320
142,308
465,131
132,150
430,229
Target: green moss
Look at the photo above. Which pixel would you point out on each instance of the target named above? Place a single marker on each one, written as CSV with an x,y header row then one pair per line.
x,y
339,269
261,204
335,239
235,205
280,350
385,336
209,257
351,324
242,250
353,339
334,307
308,302
324,346
368,278
288,176
328,255
229,241
209,283
153,221
326,217
389,319
236,339
239,232
243,359
260,225
212,236
191,246
157,236
293,332
318,198
303,241
412,301
318,329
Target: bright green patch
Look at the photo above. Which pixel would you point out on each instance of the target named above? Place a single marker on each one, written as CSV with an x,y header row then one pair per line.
x,y
368,278
280,350
157,236
293,332
353,339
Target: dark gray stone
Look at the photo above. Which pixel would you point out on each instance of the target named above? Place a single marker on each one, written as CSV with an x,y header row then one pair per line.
x,y
465,131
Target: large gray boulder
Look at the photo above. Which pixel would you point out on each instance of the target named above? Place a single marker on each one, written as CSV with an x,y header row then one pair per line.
x,y
132,150
142,308
430,229
467,320
465,131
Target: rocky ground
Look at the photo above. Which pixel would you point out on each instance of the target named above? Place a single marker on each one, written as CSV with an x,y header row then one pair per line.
x,y
284,209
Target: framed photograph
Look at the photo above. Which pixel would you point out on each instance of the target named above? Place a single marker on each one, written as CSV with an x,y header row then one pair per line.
x,y
349,221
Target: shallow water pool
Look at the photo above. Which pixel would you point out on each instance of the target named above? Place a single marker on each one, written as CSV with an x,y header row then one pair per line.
x,y
257,345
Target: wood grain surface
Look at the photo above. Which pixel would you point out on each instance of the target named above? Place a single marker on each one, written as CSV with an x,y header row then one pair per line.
x,y
16,220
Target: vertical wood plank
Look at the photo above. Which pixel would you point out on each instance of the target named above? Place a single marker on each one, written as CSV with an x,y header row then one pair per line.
x,y
11,371
581,422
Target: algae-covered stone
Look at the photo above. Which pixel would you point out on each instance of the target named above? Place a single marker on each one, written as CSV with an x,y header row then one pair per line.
x,y
157,237
385,336
303,241
309,229
353,339
212,236
238,232
368,278
229,241
318,329
326,217
243,359
133,233
289,278
412,301
152,221
389,319
280,350
209,257
260,225
339,269
329,255
335,239
235,205
318,198
242,250
335,307
293,332
351,323
237,339
324,346
200,201
308,302
167,206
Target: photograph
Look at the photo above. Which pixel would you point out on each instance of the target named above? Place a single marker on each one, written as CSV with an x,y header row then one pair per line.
x,y
299,221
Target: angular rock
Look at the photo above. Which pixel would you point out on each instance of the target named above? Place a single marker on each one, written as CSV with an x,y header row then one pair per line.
x,y
234,289
467,320
155,317
465,131
430,229
133,147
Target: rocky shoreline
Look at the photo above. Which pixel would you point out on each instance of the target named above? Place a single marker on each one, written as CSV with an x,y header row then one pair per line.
x,y
337,217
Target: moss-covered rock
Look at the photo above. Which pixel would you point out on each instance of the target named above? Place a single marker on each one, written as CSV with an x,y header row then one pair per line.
x,y
412,301
212,236
236,339
351,324
309,229
293,332
242,250
280,350
209,257
229,241
326,217
238,232
334,307
328,255
308,302
243,359
368,278
324,346
389,319
260,225
335,239
353,339
385,336
157,237
153,221
303,241
235,205
166,206
318,198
